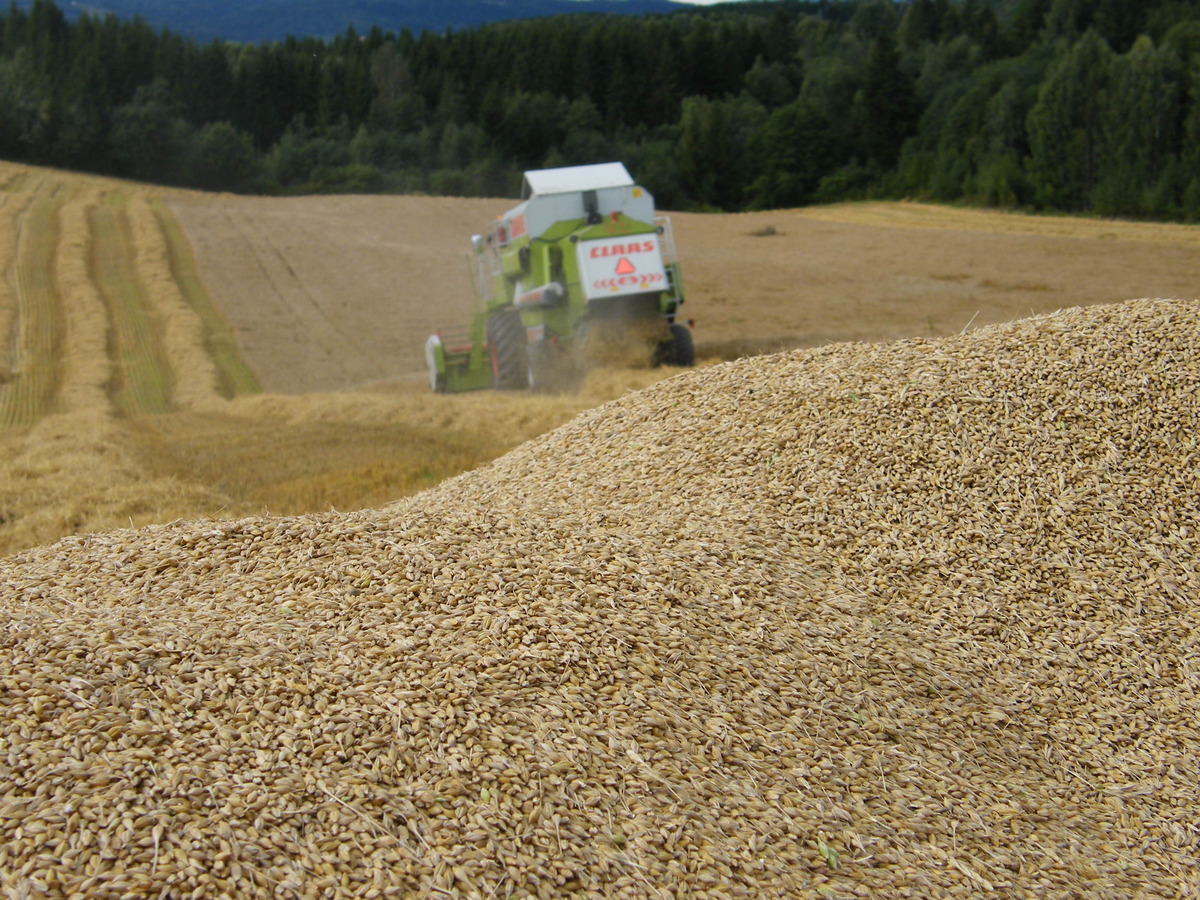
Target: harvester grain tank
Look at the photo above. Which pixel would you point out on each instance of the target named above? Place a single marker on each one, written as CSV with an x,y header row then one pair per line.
x,y
583,254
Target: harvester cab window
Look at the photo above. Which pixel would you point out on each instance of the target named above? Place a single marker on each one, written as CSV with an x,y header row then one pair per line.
x,y
591,207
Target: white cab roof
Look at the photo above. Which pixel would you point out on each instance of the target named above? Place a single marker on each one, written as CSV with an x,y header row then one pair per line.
x,y
577,178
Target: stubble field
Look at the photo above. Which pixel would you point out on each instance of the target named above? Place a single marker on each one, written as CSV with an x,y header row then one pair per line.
x,y
174,354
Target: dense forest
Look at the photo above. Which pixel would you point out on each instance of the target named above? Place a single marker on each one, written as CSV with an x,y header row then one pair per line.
x,y
1075,105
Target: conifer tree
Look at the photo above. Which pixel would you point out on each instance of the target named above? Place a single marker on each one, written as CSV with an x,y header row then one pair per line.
x,y
1066,126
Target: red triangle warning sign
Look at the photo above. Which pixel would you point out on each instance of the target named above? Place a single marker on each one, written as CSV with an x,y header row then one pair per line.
x,y
625,267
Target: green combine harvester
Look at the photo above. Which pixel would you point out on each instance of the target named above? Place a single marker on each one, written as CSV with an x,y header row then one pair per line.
x,y
582,257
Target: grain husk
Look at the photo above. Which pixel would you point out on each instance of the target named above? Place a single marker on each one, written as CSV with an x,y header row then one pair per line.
x,y
914,619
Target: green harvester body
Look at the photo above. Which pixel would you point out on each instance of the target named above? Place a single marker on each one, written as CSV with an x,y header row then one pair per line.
x,y
584,247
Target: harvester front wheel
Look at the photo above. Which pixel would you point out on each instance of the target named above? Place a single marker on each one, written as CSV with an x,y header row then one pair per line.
x,y
507,346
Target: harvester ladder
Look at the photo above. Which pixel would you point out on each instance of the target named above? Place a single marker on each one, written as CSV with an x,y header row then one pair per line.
x,y
485,268
666,245
666,239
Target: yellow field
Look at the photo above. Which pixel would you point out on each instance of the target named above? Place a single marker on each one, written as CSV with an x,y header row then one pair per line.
x,y
124,401
929,216
142,325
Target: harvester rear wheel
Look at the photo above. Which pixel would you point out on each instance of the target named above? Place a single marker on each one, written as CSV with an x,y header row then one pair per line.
x,y
678,350
507,345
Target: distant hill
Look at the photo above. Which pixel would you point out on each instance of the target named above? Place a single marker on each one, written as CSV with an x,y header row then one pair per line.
x,y
259,21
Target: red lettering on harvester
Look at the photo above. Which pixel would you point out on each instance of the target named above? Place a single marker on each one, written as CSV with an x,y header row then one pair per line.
x,y
618,249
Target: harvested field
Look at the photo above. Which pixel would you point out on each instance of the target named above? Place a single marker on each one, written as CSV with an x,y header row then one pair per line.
x,y
337,293
86,335
125,398
200,302
914,619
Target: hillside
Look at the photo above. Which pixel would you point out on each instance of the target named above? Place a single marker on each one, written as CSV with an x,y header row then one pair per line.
x,y
872,620
735,106
179,355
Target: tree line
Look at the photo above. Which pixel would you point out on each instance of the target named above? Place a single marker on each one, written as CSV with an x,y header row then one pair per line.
x,y
1071,105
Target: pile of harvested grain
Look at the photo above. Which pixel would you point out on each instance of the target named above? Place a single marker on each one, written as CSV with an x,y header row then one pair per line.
x,y
916,619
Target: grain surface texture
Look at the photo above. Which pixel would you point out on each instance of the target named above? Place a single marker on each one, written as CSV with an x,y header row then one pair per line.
x,y
914,619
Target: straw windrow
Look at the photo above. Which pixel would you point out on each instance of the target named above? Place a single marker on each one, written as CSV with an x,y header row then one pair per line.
x,y
142,383
195,381
37,327
10,207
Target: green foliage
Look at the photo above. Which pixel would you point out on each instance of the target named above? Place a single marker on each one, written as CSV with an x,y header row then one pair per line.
x,y
527,125
1140,131
308,162
927,21
654,155
851,182
1082,105
772,84
22,101
886,108
1066,125
873,19
1001,182
715,137
221,156
148,135
707,150
973,133
791,154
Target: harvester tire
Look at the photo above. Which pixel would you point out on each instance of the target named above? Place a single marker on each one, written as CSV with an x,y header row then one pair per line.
x,y
507,345
679,349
